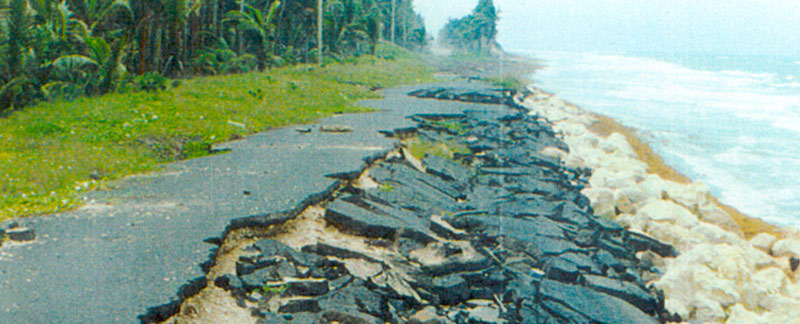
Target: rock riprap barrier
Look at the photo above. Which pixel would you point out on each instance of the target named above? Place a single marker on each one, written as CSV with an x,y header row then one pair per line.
x,y
467,222
719,276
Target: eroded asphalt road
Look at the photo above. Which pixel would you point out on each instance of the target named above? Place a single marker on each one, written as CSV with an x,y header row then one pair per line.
x,y
132,249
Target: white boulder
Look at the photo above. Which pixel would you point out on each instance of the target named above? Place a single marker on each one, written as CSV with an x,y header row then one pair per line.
x,y
633,193
711,213
786,248
691,195
617,142
602,201
570,128
554,152
713,234
631,222
605,178
659,210
763,241
738,314
618,163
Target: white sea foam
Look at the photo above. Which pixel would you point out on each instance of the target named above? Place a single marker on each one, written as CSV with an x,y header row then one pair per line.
x,y
738,130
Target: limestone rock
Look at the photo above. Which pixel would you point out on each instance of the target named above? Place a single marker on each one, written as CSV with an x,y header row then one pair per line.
x,y
635,193
670,233
631,222
766,283
786,248
713,234
758,258
653,187
690,195
707,310
570,129
625,205
738,314
605,178
667,211
763,242
711,213
554,152
602,201
617,142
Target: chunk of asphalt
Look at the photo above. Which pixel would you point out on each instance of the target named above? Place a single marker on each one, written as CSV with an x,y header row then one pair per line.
x,y
641,242
21,234
596,306
451,289
307,288
627,291
355,219
446,169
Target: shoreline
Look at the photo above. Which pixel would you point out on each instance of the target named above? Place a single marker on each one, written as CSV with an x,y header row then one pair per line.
x,y
731,268
605,126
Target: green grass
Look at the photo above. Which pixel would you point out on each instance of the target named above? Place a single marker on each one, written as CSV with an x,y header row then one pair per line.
x,y
420,148
512,82
270,290
456,126
386,187
52,152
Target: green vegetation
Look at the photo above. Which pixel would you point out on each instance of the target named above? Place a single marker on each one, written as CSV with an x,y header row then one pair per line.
x,y
420,148
386,187
53,151
270,290
456,126
475,32
475,52
70,48
508,82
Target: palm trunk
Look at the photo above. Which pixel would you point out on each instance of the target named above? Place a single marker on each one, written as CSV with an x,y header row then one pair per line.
x,y
394,4
143,44
319,31
215,18
405,27
157,53
239,33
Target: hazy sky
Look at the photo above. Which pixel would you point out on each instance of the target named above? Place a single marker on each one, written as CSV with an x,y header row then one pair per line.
x,y
702,26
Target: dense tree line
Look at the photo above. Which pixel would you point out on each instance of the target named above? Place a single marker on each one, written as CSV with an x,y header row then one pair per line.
x,y
65,48
475,32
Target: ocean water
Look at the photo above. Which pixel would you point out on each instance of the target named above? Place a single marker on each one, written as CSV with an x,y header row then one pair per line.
x,y
732,122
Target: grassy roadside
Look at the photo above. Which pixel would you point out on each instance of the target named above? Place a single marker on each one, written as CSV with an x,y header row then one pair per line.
x,y
606,126
52,152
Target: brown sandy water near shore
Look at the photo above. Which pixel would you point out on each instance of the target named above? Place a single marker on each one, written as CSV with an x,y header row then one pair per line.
x,y
605,126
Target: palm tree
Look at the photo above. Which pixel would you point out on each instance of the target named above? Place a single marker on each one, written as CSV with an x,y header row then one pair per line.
x,y
87,45
17,23
476,31
350,25
260,26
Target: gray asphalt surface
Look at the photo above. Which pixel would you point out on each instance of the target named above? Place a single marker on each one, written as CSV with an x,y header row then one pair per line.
x,y
135,246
